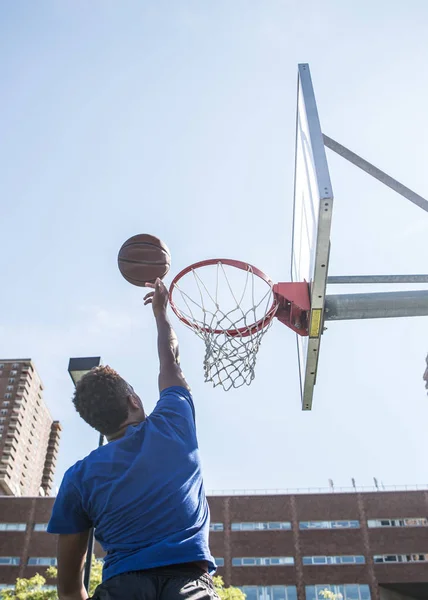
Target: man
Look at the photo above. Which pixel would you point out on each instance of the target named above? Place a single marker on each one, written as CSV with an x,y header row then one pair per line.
x,y
143,491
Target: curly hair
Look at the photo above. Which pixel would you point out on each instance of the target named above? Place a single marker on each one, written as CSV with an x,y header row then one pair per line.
x,y
101,399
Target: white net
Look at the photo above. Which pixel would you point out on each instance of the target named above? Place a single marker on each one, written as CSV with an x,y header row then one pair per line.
x,y
230,309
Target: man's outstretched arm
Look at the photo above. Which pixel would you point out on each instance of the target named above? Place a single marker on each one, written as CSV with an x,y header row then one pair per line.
x,y
170,373
71,561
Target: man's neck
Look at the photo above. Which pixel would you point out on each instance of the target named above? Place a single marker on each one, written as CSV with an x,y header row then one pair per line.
x,y
121,432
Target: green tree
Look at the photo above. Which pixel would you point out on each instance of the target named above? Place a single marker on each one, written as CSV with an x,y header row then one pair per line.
x,y
227,593
32,589
329,595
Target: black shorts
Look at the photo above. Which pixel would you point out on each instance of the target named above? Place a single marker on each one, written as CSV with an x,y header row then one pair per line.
x,y
163,583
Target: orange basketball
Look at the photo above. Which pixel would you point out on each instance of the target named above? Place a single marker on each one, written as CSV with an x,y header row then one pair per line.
x,y
143,258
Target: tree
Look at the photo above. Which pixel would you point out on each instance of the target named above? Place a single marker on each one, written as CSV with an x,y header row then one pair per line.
x,y
32,589
227,593
329,595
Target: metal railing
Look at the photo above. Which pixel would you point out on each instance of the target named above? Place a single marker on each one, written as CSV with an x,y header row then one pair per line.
x,y
320,490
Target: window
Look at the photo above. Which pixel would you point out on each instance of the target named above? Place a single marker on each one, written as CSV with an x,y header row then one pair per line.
x,y
334,560
12,380
329,524
6,402
400,558
9,560
349,591
262,561
40,527
219,562
408,522
3,411
8,395
41,561
216,526
270,525
9,388
270,592
13,526
13,372
1,365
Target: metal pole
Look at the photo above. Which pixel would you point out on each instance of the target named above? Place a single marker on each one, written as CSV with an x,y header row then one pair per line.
x,y
382,305
90,551
377,279
376,173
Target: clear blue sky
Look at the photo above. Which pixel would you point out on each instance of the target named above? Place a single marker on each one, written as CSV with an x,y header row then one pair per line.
x,y
177,119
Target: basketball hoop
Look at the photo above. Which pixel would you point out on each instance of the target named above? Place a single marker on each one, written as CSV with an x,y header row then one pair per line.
x,y
230,305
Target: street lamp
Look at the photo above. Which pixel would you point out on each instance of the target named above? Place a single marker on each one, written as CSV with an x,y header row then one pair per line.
x,y
78,367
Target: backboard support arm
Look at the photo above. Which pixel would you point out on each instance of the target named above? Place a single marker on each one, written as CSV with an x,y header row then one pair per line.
x,y
374,279
381,176
382,305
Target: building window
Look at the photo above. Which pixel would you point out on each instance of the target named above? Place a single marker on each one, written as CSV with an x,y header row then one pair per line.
x,y
400,558
348,591
41,561
269,525
3,411
410,522
13,526
6,402
1,365
40,527
329,524
334,560
216,527
8,395
9,560
13,372
9,388
270,592
262,561
219,562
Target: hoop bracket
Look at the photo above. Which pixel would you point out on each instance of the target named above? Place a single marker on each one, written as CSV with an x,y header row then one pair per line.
x,y
294,305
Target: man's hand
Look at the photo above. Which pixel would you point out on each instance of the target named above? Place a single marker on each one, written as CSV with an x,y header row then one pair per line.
x,y
158,299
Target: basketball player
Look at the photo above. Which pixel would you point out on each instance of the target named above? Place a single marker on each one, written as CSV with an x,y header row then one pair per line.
x,y
143,491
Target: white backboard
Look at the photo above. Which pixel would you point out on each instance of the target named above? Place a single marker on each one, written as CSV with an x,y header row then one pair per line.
x,y
313,206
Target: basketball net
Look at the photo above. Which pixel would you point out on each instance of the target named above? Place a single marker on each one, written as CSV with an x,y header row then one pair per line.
x,y
232,334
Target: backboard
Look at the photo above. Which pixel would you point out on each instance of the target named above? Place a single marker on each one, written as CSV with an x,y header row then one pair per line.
x,y
313,205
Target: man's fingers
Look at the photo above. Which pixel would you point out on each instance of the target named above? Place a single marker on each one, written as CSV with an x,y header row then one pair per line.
x,y
150,285
149,295
148,301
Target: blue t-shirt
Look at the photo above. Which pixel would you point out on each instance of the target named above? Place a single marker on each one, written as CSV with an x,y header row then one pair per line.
x,y
143,493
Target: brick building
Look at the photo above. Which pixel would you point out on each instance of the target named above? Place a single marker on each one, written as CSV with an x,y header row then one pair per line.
x,y
29,438
366,546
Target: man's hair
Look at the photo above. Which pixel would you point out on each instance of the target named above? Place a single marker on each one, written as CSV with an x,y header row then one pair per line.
x,y
101,399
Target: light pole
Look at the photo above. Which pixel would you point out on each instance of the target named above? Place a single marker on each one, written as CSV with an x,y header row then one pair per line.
x,y
78,367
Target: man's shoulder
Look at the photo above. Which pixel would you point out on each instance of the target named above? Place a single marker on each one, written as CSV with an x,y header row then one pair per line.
x,y
174,397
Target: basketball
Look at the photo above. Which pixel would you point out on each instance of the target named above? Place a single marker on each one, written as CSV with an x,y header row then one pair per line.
x,y
143,258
